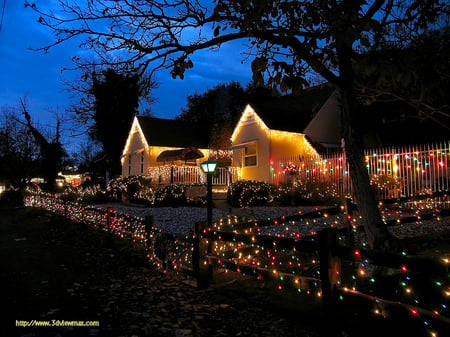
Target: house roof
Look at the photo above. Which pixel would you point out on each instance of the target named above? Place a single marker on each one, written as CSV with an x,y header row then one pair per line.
x,y
325,128
172,133
292,112
188,153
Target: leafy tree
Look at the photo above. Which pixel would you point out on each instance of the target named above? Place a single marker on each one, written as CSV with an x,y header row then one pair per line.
x,y
415,80
286,39
110,100
219,109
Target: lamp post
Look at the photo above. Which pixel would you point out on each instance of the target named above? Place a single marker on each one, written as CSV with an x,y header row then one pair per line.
x,y
209,167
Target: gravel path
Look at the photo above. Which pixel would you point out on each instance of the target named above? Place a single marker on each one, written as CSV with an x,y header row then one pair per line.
x,y
181,220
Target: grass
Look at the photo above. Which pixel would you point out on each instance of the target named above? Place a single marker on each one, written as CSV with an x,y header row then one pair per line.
x,y
44,259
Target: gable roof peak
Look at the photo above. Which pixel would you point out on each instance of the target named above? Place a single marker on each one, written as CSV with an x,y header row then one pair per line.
x,y
171,132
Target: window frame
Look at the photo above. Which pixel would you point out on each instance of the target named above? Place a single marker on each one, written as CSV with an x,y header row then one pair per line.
x,y
249,156
142,162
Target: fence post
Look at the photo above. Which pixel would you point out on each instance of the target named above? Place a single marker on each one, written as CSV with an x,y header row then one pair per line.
x,y
149,224
195,251
348,209
330,268
200,262
109,212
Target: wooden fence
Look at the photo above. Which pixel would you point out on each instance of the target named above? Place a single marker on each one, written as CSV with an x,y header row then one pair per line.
x,y
310,263
394,171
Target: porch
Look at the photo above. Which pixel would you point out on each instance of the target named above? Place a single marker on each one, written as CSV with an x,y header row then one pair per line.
x,y
185,174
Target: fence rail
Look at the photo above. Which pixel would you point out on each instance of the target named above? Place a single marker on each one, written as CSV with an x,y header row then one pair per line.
x,y
171,174
310,263
394,171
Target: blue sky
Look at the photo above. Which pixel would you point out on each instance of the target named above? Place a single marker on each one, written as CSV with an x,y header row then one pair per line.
x,y
38,75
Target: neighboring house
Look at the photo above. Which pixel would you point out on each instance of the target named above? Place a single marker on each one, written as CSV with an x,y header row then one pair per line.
x,y
273,131
155,144
325,127
71,178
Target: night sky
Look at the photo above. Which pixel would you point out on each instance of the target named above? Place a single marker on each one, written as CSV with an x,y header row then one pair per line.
x,y
38,75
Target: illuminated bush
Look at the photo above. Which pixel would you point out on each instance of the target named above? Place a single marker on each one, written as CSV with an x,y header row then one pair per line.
x,y
135,189
315,192
244,193
92,194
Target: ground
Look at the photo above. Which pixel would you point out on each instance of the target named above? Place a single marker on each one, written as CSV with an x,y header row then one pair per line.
x,y
55,270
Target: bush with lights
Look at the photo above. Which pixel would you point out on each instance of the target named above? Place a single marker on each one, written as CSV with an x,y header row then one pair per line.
x,y
175,195
382,183
90,194
315,192
245,193
134,189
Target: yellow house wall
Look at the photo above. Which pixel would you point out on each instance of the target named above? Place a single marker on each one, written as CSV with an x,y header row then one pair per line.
x,y
289,144
272,145
137,144
246,134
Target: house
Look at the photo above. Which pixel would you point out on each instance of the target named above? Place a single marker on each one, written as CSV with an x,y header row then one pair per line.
x,y
162,147
72,178
268,131
272,132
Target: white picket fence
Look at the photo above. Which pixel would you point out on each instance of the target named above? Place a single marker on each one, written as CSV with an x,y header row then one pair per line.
x,y
394,171
171,174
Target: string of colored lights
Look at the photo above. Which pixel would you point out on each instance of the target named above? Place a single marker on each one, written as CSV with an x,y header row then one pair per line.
x,y
291,267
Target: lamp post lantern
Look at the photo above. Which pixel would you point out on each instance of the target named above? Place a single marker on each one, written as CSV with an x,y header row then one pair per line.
x,y
209,167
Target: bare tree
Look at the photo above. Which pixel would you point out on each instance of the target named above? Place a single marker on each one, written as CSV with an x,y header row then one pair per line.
x,y
51,151
286,40
19,154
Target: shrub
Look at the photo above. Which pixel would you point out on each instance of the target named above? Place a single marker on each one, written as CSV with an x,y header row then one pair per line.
x,y
135,189
172,195
92,194
314,192
245,193
12,196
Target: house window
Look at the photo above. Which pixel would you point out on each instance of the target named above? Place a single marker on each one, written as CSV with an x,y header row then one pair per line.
x,y
250,157
142,162
129,165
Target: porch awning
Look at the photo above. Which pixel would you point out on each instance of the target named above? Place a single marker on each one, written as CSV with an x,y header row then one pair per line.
x,y
189,153
243,145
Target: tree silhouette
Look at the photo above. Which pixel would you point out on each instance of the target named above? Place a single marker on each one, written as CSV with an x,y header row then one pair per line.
x,y
19,153
110,100
52,151
286,40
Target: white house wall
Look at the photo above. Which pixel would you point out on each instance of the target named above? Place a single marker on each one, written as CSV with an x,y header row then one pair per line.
x,y
134,147
272,145
252,129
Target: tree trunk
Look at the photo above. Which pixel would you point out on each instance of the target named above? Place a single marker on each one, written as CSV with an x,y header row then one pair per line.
x,y
378,236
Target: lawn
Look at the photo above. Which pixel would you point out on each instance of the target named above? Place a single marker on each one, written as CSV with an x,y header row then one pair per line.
x,y
54,270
